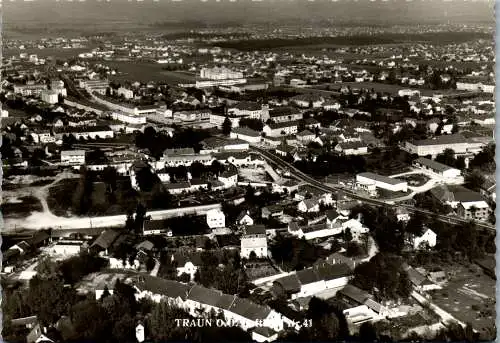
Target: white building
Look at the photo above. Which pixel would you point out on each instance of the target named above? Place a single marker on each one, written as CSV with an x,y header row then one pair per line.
x,y
127,93
437,145
437,168
73,157
66,248
216,218
246,134
128,118
281,129
51,97
428,238
380,181
217,73
254,241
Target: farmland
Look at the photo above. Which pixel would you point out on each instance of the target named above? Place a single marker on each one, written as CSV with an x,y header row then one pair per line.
x,y
144,72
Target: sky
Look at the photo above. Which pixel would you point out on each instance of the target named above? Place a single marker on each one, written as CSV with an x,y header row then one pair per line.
x,y
47,12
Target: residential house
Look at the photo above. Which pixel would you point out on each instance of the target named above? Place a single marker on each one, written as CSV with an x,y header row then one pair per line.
x,y
244,218
216,218
272,211
246,134
285,114
352,148
305,136
427,239
254,242
187,263
229,177
281,128
309,205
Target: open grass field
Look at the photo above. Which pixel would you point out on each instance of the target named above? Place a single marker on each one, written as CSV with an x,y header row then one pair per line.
x,y
470,297
47,52
144,72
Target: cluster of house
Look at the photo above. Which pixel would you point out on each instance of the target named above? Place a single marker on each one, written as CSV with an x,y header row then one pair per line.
x,y
262,321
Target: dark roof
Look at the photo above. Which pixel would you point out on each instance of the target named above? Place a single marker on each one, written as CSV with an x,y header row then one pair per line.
x,y
290,283
106,239
182,259
445,139
307,276
352,145
248,309
331,272
204,295
237,154
432,164
246,131
180,151
331,214
255,230
264,331
355,293
153,225
227,240
38,237
283,111
248,106
169,288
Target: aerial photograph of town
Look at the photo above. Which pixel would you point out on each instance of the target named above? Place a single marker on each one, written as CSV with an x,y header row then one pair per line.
x,y
248,171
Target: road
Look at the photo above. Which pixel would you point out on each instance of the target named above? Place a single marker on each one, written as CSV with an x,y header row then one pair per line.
x,y
321,186
34,222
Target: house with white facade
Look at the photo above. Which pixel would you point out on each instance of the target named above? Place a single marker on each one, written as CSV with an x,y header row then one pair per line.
x,y
428,238
73,157
246,134
254,241
216,218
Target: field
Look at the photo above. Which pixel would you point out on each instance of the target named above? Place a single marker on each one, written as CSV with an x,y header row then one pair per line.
x,y
435,38
48,52
21,207
144,72
470,297
393,89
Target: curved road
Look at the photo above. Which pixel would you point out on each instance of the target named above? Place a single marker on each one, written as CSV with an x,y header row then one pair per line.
x,y
319,185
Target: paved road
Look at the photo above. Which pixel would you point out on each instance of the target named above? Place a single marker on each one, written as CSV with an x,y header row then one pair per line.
x,y
321,186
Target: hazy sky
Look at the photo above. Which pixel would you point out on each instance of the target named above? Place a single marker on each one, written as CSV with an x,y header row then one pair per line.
x,y
378,11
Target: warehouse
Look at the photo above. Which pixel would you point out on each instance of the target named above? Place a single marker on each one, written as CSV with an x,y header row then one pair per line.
x,y
379,181
436,168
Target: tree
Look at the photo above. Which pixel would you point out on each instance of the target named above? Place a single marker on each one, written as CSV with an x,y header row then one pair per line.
x,y
348,235
367,332
226,126
140,215
474,180
447,157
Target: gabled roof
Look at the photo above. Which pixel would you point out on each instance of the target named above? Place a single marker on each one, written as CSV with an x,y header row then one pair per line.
x,y
355,293
433,164
255,230
290,283
106,239
307,276
169,288
204,295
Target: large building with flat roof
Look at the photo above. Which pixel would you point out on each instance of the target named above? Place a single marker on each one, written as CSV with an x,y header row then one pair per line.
x,y
437,145
365,180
